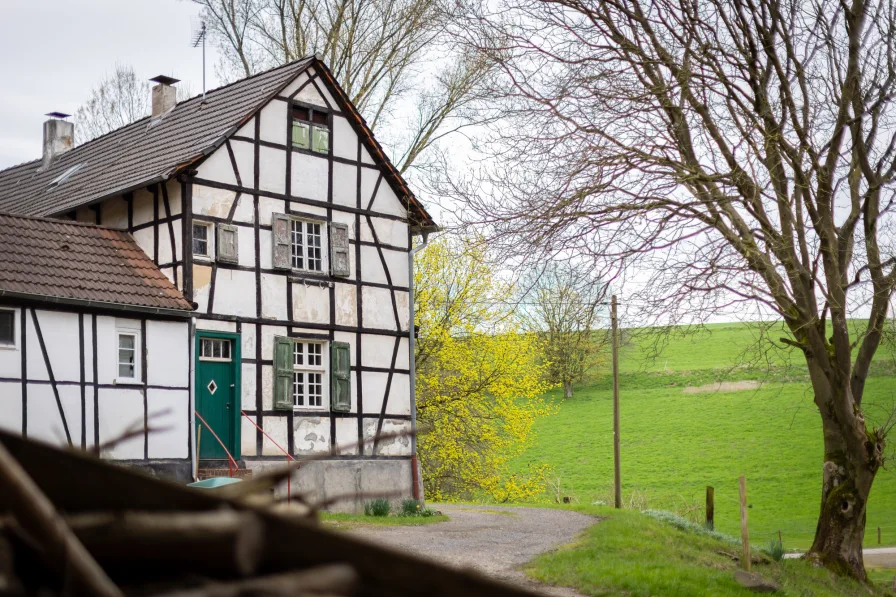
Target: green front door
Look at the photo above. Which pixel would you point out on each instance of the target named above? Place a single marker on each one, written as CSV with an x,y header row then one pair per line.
x,y
217,394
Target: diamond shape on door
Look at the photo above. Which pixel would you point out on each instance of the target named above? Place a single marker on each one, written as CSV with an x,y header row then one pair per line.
x,y
212,386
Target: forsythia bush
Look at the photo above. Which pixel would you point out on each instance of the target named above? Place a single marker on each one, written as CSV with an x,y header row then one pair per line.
x,y
479,384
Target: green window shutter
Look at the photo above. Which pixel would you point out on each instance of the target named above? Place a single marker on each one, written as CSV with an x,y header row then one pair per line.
x,y
320,139
340,377
283,348
300,136
282,258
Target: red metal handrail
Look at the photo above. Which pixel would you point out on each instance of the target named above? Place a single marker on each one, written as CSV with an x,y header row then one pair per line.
x,y
279,447
232,464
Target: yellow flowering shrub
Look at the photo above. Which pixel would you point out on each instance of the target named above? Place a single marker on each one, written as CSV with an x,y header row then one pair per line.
x,y
479,383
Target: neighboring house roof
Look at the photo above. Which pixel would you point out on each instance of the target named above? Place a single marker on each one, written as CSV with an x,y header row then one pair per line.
x,y
149,151
71,262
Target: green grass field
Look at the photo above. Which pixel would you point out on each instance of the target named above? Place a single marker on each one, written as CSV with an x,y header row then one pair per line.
x,y
674,444
628,554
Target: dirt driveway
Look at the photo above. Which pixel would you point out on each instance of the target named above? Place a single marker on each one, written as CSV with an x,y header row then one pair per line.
x,y
495,540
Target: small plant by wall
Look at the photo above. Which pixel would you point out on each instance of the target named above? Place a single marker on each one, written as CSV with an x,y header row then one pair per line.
x,y
377,507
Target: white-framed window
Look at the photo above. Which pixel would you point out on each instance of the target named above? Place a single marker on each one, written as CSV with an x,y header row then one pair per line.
x,y
203,240
8,331
308,245
215,349
128,357
309,375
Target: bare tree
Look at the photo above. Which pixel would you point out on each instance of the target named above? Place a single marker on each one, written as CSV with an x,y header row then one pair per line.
x,y
390,56
119,99
729,153
564,304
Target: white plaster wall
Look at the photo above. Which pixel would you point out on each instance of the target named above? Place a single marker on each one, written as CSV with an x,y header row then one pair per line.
x,y
310,304
264,249
369,176
376,350
365,156
272,169
169,412
168,358
401,302
328,97
347,436
372,266
400,446
115,213
268,333
311,435
387,202
167,253
175,202
374,389
248,336
345,141
399,395
234,293
309,177
391,232
346,296
274,122
377,308
276,428
216,325
401,361
247,381
268,206
310,95
218,166
267,388
202,285
294,85
145,239
245,210
11,406
273,296
345,184
143,207
44,420
208,201
245,246
60,333
247,436
121,409
397,262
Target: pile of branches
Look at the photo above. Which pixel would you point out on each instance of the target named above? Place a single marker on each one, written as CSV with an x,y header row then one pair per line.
x,y
71,524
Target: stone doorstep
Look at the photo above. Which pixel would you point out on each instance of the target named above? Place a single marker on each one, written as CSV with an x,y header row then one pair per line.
x,y
208,473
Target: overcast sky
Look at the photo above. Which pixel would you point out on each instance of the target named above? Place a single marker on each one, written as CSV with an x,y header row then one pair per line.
x,y
55,51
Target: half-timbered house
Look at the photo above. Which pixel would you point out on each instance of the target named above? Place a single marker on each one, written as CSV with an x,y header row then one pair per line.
x,y
269,204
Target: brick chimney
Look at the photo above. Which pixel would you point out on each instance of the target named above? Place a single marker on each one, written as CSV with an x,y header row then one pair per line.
x,y
164,95
59,137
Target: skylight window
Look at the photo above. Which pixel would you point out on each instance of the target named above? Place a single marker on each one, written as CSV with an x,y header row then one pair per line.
x,y
65,176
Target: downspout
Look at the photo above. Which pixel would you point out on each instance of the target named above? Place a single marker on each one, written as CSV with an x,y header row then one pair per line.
x,y
417,480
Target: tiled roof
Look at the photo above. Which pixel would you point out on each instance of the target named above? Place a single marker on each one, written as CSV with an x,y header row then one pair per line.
x,y
140,153
57,259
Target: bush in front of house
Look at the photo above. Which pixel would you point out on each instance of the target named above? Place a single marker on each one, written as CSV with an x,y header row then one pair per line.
x,y
377,507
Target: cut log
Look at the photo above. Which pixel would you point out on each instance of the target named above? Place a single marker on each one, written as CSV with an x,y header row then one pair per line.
x,y
218,543
336,579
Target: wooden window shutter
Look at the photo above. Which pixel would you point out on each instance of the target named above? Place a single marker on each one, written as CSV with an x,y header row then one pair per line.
x,y
300,136
340,377
320,139
226,245
283,348
339,261
282,258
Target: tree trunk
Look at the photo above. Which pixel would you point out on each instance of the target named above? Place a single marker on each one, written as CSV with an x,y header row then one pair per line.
x,y
848,475
567,389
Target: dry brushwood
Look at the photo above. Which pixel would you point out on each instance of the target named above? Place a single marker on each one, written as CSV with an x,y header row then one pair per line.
x,y
124,533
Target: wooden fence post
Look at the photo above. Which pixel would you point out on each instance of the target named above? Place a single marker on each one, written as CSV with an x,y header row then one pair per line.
x,y
710,508
744,532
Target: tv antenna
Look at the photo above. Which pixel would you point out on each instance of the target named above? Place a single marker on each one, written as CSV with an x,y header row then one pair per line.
x,y
198,37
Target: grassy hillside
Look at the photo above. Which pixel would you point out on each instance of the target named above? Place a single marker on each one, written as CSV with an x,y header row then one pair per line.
x,y
628,554
675,443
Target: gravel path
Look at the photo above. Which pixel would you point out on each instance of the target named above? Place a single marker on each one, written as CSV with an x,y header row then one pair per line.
x,y
493,539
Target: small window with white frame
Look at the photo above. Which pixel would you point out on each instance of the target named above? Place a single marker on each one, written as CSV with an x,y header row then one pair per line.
x,y
214,349
309,387
308,245
128,356
203,240
7,328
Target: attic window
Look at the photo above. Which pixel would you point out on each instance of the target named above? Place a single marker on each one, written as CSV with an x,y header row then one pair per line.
x,y
65,176
310,129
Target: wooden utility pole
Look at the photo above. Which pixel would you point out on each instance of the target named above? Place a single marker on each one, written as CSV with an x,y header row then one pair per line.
x,y
617,476
744,532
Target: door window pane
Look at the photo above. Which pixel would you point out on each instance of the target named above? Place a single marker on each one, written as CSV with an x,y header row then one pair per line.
x,y
7,328
127,353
